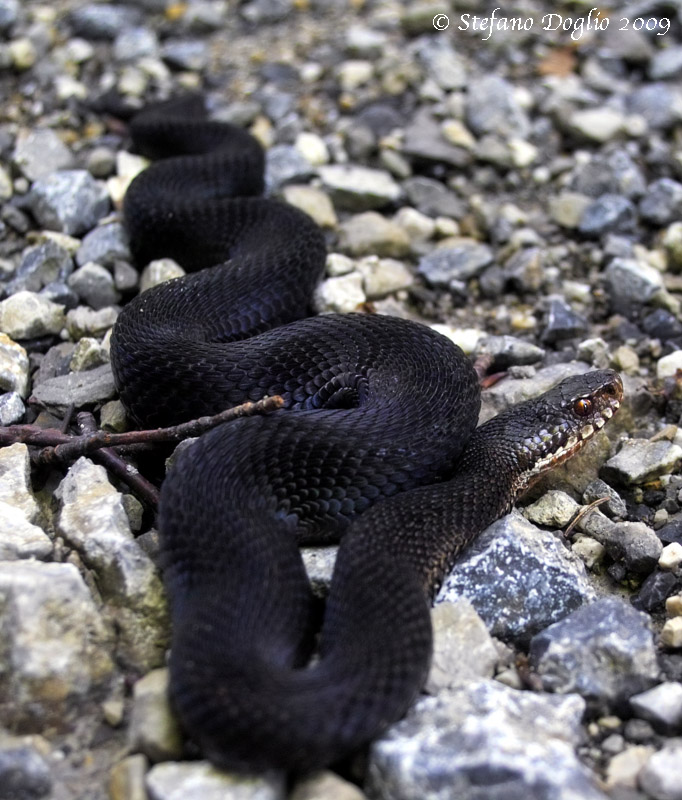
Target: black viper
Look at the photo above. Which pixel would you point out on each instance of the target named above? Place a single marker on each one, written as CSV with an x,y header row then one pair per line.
x,y
380,416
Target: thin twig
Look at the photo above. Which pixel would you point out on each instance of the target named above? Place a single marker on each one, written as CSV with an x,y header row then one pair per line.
x,y
585,510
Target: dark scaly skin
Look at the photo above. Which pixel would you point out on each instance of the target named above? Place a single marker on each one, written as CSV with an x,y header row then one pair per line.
x,y
380,418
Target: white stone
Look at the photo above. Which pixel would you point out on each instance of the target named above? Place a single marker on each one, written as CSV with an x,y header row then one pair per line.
x,y
15,480
671,633
466,338
381,276
597,124
342,294
313,148
353,74
14,373
313,201
416,225
661,776
19,538
26,315
199,779
661,705
668,365
624,767
159,271
671,556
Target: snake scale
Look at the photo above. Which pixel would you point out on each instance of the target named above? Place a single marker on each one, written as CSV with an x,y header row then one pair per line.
x,y
376,445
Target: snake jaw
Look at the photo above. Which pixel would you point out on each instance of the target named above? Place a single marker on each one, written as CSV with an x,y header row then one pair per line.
x,y
571,419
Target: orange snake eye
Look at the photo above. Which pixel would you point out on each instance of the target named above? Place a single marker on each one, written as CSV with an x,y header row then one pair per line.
x,y
582,407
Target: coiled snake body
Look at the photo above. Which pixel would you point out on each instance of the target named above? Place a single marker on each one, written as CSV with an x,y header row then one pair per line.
x,y
379,418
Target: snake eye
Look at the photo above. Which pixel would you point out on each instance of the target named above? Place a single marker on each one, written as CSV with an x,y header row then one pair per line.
x,y
582,407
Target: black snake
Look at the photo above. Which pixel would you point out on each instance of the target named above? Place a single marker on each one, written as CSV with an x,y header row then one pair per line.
x,y
380,417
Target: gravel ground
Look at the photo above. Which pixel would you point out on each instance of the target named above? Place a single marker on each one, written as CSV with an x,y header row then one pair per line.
x,y
521,190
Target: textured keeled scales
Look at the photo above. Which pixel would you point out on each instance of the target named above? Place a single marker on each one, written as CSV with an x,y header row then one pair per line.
x,y
374,408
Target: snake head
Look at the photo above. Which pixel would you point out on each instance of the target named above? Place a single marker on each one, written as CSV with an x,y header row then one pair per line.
x,y
551,428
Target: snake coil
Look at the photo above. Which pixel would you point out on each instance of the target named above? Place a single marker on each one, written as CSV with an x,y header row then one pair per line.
x,y
377,444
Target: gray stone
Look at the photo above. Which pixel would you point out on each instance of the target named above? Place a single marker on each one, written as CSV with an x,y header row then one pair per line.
x,y
14,375
154,729
462,647
432,198
77,388
509,351
520,579
58,292
94,285
666,63
9,14
24,773
424,141
12,408
15,480
492,108
661,776
19,538
359,188
266,11
640,461
483,740
93,519
40,265
443,64
319,564
371,233
40,152
525,269
105,245
134,43
101,162
286,164
662,203
554,509
658,103
313,201
631,281
71,201
634,543
604,651
382,276
55,648
595,490
459,262
615,173
189,54
609,212
182,780
596,124
661,705
562,322
26,315
126,276
103,20
84,321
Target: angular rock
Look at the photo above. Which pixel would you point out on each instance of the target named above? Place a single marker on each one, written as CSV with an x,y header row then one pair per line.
x,y
179,781
596,124
103,20
604,651
127,779
554,508
84,321
562,322
658,103
19,538
187,54
94,521
519,579
382,276
54,647
359,188
40,265
597,489
509,351
640,461
13,367
12,408
483,740
462,647
40,152
491,107
615,173
661,777
154,729
343,293
104,245
159,271
662,203
286,164
371,233
15,480
94,285
610,212
325,786
26,315
462,261
77,388
424,140
433,198
24,773
71,201
313,201
661,705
